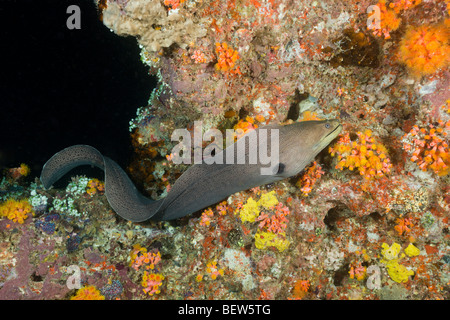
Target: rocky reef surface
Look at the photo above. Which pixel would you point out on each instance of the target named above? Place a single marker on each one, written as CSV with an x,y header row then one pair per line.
x,y
368,219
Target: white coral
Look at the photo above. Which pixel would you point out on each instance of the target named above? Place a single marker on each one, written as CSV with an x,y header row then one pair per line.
x,y
334,258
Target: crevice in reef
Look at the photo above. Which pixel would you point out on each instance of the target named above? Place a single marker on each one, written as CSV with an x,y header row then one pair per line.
x,y
341,274
294,108
354,49
338,213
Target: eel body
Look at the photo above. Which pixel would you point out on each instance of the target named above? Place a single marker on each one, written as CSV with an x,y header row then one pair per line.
x,y
202,184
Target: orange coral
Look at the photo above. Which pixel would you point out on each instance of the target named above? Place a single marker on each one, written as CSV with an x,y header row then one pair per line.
x,y
213,271
88,293
399,5
429,148
389,21
202,54
16,210
358,272
366,154
222,208
308,180
425,49
173,4
300,289
308,115
227,58
245,125
277,222
199,56
446,106
151,283
207,214
404,225
94,186
19,172
139,257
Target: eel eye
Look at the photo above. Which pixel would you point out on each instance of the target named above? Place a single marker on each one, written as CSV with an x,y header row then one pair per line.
x,y
327,125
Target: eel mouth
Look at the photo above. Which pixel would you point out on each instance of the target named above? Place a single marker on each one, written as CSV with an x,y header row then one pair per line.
x,y
338,129
328,138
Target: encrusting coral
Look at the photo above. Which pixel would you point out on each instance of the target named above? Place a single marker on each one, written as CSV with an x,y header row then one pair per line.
x,y
151,23
272,221
391,254
88,293
151,283
227,58
428,147
306,183
390,19
16,210
365,154
425,49
140,257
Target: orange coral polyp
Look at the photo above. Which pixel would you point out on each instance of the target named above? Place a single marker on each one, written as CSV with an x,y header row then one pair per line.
x,y
173,4
88,293
227,57
389,15
429,150
425,49
16,210
308,180
389,21
151,283
365,154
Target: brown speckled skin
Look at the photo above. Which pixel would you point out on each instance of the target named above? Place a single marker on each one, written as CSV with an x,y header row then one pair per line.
x,y
203,184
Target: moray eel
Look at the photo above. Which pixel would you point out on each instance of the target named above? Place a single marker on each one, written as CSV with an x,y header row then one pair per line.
x,y
202,184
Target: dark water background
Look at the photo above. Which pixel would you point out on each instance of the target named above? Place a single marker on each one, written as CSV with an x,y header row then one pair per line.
x,y
60,87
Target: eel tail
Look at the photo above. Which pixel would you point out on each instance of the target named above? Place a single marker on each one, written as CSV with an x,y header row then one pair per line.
x,y
120,191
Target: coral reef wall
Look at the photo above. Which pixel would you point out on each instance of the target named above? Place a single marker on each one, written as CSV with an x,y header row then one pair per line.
x,y
369,219
381,68
152,24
